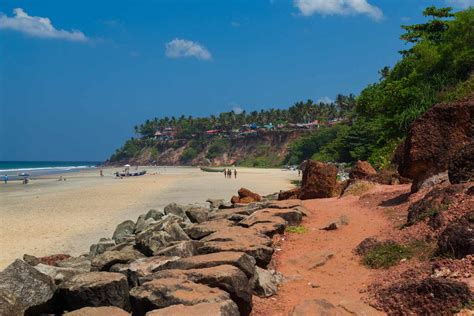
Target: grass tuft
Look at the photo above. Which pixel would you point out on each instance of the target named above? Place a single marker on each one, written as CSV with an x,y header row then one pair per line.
x,y
296,229
386,255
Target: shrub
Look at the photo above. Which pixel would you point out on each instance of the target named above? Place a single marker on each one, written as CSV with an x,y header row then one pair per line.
x,y
296,229
387,254
189,154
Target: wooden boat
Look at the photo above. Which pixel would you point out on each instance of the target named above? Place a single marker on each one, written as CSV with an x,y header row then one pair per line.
x,y
130,174
210,169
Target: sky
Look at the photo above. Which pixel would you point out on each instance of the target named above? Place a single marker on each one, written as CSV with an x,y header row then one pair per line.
x,y
77,75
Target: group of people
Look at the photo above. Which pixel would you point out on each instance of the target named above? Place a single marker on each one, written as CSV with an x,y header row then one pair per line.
x,y
6,178
228,173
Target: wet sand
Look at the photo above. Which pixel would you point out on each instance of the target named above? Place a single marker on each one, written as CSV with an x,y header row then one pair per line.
x,y
48,216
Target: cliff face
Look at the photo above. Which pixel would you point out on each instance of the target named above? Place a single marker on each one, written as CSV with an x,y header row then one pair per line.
x,y
265,149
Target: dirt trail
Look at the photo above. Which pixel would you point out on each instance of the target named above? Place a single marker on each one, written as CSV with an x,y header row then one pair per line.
x,y
341,279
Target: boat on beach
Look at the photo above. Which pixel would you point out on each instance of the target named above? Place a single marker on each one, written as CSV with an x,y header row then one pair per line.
x,y
210,169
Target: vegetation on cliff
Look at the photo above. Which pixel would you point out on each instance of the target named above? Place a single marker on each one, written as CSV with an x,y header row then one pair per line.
x,y
437,66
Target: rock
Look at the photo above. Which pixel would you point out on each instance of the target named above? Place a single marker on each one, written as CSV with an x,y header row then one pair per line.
x,y
224,308
225,277
295,203
357,188
82,263
316,307
160,235
246,193
366,245
123,230
9,305
98,311
272,221
141,268
319,180
331,226
215,203
104,261
266,282
181,249
434,139
241,240
240,260
235,199
53,260
289,195
160,293
25,288
246,200
361,170
58,274
155,215
430,296
226,214
31,260
142,223
433,204
198,231
323,258
177,210
461,167
237,217
457,240
197,214
101,246
94,289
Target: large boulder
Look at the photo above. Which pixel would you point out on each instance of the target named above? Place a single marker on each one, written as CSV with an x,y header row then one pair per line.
x,y
82,263
141,268
160,235
104,261
142,223
225,308
177,210
319,180
248,196
101,246
434,139
215,203
197,214
289,195
226,277
25,290
266,282
123,231
154,214
160,293
241,240
181,249
58,274
457,240
271,221
239,260
94,289
198,231
98,311
361,170
461,168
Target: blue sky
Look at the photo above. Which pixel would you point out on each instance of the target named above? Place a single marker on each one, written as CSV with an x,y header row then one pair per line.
x,y
76,76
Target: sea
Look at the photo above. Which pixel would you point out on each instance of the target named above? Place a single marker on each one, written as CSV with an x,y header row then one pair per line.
x,y
33,169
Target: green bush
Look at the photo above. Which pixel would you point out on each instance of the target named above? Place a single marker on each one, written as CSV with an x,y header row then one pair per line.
x,y
217,148
385,255
189,154
296,229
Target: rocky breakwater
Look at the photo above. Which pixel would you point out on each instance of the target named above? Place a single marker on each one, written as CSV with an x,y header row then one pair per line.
x,y
182,260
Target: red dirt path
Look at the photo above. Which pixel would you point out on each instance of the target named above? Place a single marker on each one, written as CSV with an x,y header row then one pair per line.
x,y
342,280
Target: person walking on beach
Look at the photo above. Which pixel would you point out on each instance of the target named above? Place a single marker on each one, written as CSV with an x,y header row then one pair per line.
x,y
101,173
225,173
229,173
5,178
235,173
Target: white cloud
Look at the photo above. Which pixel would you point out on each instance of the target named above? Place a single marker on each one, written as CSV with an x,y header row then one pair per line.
x,y
325,100
37,27
237,109
338,7
463,4
180,48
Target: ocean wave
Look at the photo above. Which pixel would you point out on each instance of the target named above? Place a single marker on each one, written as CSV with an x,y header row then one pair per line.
x,y
63,168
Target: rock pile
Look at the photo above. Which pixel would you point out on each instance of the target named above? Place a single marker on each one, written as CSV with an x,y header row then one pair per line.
x,y
186,259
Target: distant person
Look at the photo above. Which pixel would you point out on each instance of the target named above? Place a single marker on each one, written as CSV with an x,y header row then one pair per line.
x,y
60,178
101,173
299,172
225,173
235,173
229,173
5,179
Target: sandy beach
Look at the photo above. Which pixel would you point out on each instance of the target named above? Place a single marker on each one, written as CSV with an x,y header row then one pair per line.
x,y
48,216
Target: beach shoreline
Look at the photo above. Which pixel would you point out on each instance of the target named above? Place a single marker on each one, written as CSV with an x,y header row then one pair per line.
x,y
49,216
